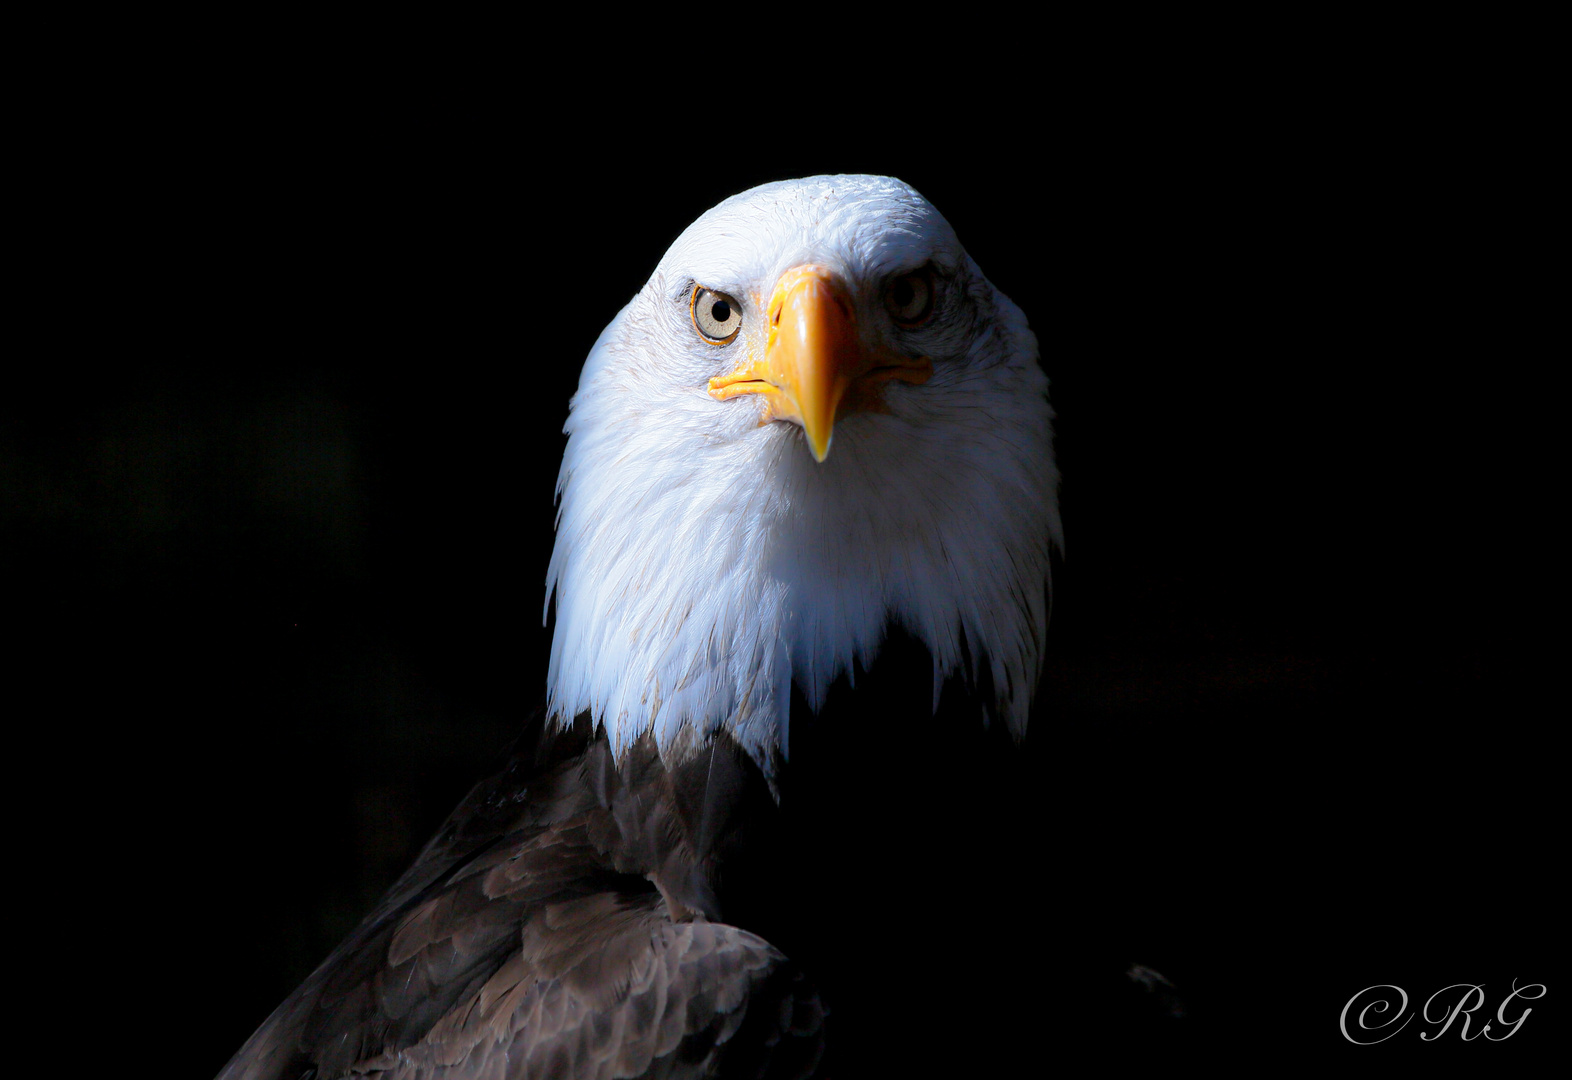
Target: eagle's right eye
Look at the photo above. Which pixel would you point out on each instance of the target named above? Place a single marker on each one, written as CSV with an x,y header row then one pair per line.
x,y
716,316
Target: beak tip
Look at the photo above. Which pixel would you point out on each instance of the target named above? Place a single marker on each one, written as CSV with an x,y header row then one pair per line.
x,y
820,452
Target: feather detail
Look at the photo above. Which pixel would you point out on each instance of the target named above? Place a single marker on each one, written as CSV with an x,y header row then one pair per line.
x,y
527,941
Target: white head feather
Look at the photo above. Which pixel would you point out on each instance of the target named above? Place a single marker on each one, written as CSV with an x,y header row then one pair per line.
x,y
704,561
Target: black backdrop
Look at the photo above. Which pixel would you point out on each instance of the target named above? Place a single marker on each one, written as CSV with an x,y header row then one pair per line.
x,y
278,493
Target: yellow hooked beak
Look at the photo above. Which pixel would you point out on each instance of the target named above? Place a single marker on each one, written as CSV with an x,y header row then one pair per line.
x,y
815,368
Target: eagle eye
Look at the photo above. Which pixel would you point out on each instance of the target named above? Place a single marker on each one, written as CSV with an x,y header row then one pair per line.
x,y
716,316
910,297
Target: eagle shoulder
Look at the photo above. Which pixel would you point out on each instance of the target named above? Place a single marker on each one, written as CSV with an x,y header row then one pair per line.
x,y
561,923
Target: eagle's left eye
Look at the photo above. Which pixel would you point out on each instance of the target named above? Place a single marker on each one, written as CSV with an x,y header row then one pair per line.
x,y
910,297
716,316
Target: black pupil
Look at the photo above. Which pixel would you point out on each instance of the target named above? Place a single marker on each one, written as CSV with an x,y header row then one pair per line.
x,y
903,293
721,311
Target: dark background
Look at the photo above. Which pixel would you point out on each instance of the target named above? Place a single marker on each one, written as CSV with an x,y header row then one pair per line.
x,y
277,476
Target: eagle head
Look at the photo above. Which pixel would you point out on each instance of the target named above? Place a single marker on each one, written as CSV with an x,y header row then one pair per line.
x,y
817,421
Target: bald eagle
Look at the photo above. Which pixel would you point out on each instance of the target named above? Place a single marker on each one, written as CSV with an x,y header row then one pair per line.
x,y
807,511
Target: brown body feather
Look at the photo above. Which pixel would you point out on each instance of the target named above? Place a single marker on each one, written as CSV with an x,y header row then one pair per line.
x,y
563,923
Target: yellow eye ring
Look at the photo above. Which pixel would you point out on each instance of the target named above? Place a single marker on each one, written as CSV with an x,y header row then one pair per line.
x,y
716,316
